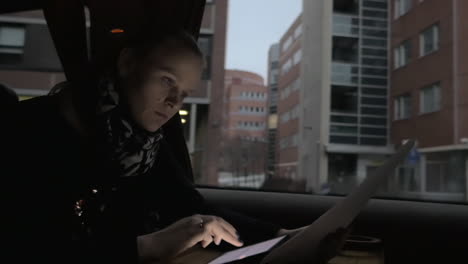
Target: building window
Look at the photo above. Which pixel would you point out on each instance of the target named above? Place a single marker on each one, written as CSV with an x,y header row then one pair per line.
x,y
295,112
12,39
287,43
283,143
402,54
344,99
429,40
407,179
346,7
286,67
298,31
295,140
285,117
401,7
402,107
345,49
205,44
297,57
296,85
430,99
437,178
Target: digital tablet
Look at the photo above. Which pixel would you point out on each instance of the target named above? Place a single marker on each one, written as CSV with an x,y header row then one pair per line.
x,y
249,251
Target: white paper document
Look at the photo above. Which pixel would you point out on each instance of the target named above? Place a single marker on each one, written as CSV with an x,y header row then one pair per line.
x,y
302,247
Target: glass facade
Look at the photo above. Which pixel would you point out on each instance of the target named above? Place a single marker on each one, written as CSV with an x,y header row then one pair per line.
x,y
360,75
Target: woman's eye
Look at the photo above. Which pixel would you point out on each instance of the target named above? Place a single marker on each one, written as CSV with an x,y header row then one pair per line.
x,y
168,81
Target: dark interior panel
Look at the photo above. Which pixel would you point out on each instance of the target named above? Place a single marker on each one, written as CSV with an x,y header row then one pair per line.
x,y
412,232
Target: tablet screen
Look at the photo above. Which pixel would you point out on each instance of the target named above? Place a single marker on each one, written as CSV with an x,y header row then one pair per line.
x,y
248,251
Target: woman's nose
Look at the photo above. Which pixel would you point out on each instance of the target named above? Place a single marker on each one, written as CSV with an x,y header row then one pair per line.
x,y
171,102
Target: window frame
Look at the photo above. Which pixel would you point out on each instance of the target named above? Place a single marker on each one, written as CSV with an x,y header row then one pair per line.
x,y
435,39
402,54
437,98
8,48
401,8
207,50
398,104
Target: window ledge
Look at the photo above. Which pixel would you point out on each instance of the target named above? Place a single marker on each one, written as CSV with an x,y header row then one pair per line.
x,y
11,51
402,119
428,113
401,67
429,53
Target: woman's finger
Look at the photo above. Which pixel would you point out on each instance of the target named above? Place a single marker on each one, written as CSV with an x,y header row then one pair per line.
x,y
215,229
217,239
207,239
223,223
197,230
218,231
227,226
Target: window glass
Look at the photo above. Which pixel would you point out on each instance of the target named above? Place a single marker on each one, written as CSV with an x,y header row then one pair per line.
x,y
401,7
402,107
298,31
402,54
29,64
429,40
297,57
430,99
287,43
11,36
255,109
205,44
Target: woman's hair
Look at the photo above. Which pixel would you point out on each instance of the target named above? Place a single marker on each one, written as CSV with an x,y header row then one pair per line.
x,y
142,42
146,41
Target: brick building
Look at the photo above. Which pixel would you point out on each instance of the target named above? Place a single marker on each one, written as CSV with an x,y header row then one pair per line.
x,y
244,126
289,101
428,94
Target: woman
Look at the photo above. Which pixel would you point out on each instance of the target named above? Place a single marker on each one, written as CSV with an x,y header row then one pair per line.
x,y
111,189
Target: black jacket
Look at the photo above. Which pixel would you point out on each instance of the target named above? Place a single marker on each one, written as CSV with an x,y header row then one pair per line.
x,y
47,168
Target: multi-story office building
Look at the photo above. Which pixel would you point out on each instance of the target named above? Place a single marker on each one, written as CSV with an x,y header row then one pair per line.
x,y
428,96
333,89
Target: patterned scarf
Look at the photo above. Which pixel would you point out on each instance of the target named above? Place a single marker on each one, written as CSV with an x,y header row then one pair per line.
x,y
132,149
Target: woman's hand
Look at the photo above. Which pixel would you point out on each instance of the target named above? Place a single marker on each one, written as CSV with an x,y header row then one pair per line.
x,y
184,234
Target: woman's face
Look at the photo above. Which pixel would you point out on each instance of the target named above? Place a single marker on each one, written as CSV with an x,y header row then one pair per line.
x,y
155,86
